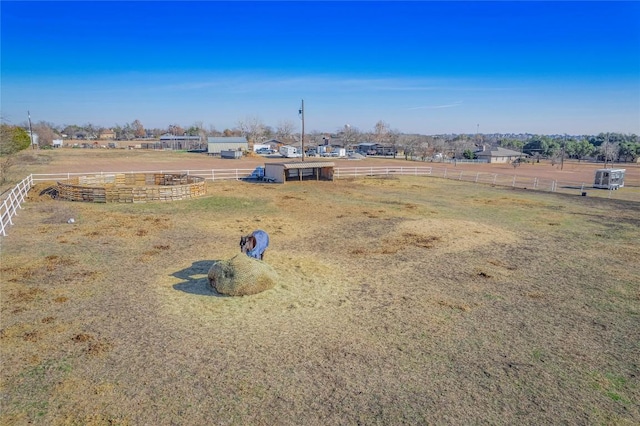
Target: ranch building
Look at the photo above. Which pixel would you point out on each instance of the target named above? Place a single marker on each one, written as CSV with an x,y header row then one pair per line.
x,y
170,141
298,171
218,144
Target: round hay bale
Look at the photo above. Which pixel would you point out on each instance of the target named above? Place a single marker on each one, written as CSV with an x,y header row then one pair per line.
x,y
241,276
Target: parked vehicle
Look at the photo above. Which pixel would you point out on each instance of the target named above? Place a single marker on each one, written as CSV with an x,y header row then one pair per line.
x,y
289,151
609,178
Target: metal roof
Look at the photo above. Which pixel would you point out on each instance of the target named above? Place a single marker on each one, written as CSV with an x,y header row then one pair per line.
x,y
229,139
226,146
303,165
499,152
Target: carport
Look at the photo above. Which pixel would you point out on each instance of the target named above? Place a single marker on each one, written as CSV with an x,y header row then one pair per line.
x,y
298,171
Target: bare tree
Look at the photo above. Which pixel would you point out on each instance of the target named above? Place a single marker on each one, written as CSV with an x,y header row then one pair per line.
x,y
45,133
380,132
350,135
316,136
393,139
268,133
439,147
425,149
410,144
71,130
91,131
128,132
459,144
252,128
609,151
285,130
155,132
175,129
198,126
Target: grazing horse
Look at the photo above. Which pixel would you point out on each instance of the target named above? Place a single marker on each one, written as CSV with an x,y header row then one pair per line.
x,y
255,244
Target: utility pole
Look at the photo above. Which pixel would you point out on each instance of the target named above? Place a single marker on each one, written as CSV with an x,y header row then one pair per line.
x,y
30,131
564,143
605,150
301,112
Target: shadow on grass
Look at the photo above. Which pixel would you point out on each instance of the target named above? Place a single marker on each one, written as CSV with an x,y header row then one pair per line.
x,y
193,280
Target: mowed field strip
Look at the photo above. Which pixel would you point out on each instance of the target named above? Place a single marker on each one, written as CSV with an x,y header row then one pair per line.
x,y
401,300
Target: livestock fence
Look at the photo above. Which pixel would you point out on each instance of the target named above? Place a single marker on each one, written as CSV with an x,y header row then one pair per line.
x,y
12,200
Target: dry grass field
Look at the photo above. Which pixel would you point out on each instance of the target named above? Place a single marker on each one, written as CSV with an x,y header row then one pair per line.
x,y
406,300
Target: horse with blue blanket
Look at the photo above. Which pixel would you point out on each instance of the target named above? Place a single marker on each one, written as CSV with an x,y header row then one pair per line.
x,y
255,244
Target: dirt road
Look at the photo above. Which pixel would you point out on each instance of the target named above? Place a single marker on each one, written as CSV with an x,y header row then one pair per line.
x,y
96,160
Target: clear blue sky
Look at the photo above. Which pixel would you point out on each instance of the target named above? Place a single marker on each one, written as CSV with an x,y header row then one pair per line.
x,y
427,67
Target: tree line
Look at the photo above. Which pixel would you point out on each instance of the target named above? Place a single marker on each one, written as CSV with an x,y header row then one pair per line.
x,y
604,146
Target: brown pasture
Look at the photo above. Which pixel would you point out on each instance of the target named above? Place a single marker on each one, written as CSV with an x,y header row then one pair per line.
x,y
406,300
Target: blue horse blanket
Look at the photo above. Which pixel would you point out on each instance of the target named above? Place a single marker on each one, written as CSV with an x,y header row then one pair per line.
x,y
262,242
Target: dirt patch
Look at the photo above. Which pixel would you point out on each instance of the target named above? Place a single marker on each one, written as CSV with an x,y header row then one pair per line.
x,y
399,301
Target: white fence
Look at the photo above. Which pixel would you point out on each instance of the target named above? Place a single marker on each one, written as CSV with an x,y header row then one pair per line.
x,y
514,181
212,174
343,172
11,204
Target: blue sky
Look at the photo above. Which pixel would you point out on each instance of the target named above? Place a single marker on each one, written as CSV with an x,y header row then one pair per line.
x,y
421,66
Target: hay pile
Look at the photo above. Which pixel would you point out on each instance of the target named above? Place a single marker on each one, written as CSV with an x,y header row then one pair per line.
x,y
241,276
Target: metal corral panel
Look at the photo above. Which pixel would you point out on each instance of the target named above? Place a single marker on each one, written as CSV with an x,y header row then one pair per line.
x,y
281,172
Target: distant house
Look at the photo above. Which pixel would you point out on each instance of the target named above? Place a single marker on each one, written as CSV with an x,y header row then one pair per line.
x,y
367,147
499,155
372,148
216,145
107,135
273,143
